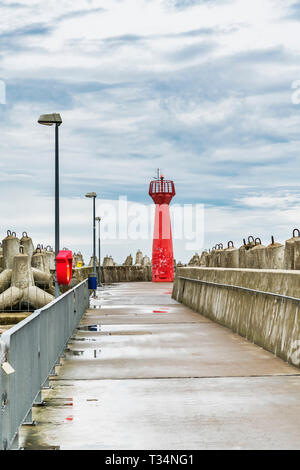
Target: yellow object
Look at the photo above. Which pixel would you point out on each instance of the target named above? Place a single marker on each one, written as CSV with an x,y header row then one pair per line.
x,y
79,264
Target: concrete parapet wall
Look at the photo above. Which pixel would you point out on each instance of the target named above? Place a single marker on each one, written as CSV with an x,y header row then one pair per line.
x,y
134,273
80,274
269,321
112,274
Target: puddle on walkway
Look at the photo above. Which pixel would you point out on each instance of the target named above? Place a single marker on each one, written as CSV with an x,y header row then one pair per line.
x,y
132,333
58,402
99,329
85,354
77,338
74,352
90,328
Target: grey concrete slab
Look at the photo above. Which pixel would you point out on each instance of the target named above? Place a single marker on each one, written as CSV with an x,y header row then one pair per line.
x,y
147,300
134,379
223,413
155,313
145,293
166,350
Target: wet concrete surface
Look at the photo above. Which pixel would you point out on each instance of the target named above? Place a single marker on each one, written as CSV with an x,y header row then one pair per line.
x,y
142,375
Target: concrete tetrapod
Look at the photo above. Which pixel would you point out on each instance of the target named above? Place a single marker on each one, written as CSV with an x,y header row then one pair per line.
x,y
215,260
108,261
5,279
195,260
27,243
22,288
40,260
128,261
91,263
232,256
75,260
10,246
245,260
138,257
50,256
43,279
208,258
10,298
1,257
275,255
242,254
258,255
146,261
249,256
289,250
204,259
223,257
40,263
297,254
211,258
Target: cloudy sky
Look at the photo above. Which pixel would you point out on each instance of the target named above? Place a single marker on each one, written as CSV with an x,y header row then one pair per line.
x,y
206,90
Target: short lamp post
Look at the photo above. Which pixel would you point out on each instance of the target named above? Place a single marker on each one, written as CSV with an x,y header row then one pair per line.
x,y
98,219
93,196
49,120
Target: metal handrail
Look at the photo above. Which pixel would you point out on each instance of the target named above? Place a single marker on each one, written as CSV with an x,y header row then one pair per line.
x,y
231,286
32,348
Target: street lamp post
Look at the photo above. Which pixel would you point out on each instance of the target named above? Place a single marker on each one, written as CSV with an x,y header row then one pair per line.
x,y
93,196
98,219
49,120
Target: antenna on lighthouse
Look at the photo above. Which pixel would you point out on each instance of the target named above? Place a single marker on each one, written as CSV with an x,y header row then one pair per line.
x,y
157,177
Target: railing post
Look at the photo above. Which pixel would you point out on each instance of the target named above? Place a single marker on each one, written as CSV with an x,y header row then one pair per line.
x,y
3,395
4,389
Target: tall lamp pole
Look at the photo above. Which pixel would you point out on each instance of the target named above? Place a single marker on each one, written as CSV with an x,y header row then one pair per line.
x,y
49,120
98,219
93,196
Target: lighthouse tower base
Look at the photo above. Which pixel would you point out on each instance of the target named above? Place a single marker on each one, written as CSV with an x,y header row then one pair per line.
x,y
162,250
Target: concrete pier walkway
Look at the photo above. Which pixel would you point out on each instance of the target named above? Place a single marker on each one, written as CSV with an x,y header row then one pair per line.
x,y
144,372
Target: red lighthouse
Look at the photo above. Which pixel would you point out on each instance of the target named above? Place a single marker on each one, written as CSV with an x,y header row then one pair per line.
x,y
162,192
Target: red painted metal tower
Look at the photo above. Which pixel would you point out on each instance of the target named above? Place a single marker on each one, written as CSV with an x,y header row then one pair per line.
x,y
162,192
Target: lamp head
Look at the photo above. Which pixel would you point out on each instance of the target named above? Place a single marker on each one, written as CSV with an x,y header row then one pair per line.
x,y
50,119
91,195
98,219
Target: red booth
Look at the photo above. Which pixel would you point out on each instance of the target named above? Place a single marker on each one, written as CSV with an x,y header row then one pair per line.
x,y
64,267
